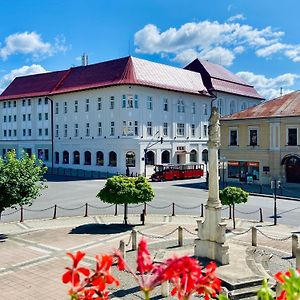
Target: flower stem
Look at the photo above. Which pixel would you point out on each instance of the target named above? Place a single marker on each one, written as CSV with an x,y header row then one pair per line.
x,y
147,295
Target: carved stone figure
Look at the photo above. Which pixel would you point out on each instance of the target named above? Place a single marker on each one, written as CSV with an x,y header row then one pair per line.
x,y
214,128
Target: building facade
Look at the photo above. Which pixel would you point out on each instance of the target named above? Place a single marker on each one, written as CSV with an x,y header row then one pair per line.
x,y
105,117
262,143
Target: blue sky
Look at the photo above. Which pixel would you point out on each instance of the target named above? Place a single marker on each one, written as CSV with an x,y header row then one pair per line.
x,y
258,40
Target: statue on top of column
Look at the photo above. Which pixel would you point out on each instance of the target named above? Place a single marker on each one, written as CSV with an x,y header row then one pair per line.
x,y
214,128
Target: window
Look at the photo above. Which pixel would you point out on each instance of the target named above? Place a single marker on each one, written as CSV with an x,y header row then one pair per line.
x,y
46,101
76,106
112,102
99,129
165,129
193,156
29,102
165,157
56,130
9,118
123,101
233,137
24,132
87,158
56,155
87,105
40,116
165,105
128,129
15,132
205,155
149,103
23,102
136,101
87,132
244,106
130,159
40,153
65,157
46,131
76,130
193,108
76,158
150,158
193,130
46,116
65,107
220,106
15,118
56,107
5,132
292,137
180,129
112,128
40,101
130,101
15,103
112,159
4,119
66,130
180,106
205,130
99,158
136,128
29,117
4,104
9,104
40,132
24,117
29,132
149,128
253,137
232,107
9,132
99,103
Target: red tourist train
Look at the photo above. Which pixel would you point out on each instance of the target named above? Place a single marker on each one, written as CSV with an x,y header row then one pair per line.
x,y
173,172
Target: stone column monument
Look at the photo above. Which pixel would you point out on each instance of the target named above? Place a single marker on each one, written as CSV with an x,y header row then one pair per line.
x,y
211,230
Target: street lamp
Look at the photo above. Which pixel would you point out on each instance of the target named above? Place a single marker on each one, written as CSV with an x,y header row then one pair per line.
x,y
150,145
274,185
52,128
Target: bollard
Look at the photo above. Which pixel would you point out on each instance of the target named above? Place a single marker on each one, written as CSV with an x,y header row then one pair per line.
x,y
116,209
230,212
254,236
122,249
54,213
202,210
22,214
294,244
298,258
173,209
86,210
145,209
261,215
134,240
180,236
165,292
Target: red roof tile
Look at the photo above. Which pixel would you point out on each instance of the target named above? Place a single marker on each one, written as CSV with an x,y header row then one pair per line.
x,y
286,105
127,70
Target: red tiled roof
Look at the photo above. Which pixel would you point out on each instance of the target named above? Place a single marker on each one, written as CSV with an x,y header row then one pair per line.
x,y
286,105
217,78
127,70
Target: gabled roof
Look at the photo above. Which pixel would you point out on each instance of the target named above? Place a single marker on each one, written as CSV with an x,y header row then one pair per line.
x,y
127,70
284,106
217,78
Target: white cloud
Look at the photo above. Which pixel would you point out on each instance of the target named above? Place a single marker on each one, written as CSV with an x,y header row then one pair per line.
x,y
207,39
236,17
30,43
270,87
25,70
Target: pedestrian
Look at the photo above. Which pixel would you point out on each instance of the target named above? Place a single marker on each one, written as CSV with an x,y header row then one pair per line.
x,y
127,171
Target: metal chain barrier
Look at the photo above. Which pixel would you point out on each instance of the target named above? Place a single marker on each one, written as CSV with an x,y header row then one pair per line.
x,y
184,207
157,236
224,208
274,238
38,210
247,213
289,210
11,213
190,232
63,208
159,207
134,206
100,207
240,233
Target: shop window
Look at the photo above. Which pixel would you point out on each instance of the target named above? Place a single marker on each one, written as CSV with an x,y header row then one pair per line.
x,y
130,159
233,170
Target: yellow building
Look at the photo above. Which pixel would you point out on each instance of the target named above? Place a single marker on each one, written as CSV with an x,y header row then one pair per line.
x,y
261,143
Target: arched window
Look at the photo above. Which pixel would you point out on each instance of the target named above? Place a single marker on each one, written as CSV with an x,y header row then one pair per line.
x,y
232,107
244,106
130,159
76,158
205,155
56,155
112,159
65,157
99,158
193,156
165,157
150,158
87,158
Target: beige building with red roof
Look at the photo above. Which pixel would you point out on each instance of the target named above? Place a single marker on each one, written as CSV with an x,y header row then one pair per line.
x,y
261,143
102,117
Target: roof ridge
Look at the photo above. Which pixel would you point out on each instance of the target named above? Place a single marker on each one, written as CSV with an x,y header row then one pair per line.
x,y
128,75
66,73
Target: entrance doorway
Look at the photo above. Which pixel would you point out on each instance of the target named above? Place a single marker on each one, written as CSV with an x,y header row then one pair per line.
x,y
292,168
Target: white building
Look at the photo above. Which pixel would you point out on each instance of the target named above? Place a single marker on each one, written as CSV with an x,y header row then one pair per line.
x,y
105,115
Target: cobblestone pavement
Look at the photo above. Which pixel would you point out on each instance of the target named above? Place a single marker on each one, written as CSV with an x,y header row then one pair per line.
x,y
32,254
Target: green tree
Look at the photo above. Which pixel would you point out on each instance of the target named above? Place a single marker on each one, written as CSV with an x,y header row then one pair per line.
x,y
126,190
232,195
21,180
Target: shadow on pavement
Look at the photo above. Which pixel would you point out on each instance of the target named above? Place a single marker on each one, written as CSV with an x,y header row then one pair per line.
x,y
101,229
194,185
3,237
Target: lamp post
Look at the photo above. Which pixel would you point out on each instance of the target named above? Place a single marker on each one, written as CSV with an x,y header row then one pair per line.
x,y
150,145
52,129
223,160
274,185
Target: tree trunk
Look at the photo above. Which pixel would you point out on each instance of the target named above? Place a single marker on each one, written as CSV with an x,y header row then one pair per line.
x,y
125,213
233,216
1,210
